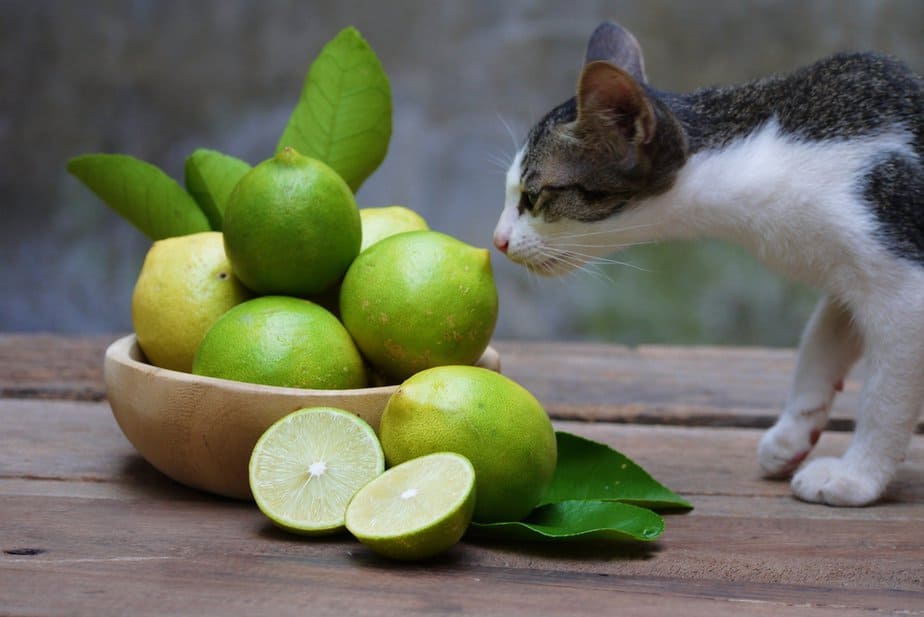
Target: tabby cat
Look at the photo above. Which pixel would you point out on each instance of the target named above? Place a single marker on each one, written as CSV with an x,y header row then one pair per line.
x,y
819,172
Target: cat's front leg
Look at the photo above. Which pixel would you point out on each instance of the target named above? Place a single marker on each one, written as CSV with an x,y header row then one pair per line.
x,y
829,347
891,402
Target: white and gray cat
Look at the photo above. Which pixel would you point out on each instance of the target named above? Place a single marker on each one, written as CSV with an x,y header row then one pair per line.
x,y
819,172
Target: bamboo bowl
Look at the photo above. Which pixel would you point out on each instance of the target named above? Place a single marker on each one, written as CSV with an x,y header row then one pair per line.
x,y
200,431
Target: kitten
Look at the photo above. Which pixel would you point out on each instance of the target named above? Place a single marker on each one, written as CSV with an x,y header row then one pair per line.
x,y
820,173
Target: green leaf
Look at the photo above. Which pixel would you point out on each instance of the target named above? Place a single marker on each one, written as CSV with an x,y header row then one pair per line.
x,y
578,520
210,178
590,470
343,117
150,199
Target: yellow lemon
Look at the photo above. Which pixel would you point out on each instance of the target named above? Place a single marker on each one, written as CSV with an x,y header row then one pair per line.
x,y
185,285
379,223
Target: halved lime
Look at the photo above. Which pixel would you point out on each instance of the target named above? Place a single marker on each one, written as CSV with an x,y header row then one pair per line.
x,y
416,509
307,466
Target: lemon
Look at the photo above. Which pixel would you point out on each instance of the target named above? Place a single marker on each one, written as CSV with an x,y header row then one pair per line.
x,y
281,341
417,509
379,223
307,466
419,299
291,226
185,284
486,417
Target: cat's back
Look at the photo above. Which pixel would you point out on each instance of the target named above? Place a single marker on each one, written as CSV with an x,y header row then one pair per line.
x,y
846,95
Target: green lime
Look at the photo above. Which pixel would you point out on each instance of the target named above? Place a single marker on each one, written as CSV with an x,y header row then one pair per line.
x,y
379,223
486,417
281,341
308,465
419,299
417,509
291,226
185,285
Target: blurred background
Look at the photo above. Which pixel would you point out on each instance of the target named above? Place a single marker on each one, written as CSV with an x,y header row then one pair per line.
x,y
158,78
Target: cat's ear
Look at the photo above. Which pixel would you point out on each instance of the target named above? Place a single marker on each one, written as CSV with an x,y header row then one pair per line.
x,y
612,43
609,96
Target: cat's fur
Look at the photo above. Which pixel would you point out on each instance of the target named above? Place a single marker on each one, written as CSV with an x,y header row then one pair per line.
x,y
820,173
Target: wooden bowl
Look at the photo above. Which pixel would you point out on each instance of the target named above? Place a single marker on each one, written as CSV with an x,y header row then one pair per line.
x,y
200,431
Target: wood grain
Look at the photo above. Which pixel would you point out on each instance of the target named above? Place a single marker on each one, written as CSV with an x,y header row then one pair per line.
x,y
685,386
744,531
87,527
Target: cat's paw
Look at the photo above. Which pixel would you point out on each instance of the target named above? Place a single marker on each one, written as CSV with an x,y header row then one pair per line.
x,y
836,482
783,448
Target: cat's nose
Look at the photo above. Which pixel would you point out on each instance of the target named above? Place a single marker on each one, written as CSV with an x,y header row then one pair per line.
x,y
501,242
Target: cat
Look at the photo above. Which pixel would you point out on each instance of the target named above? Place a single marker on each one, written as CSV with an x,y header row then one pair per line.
x,y
819,172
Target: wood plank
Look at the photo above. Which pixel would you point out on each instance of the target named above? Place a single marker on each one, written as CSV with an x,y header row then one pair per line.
x,y
691,386
154,541
744,530
52,366
67,440
87,527
267,584
150,540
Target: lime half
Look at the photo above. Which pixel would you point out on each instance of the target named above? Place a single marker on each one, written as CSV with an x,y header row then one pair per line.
x,y
307,466
416,509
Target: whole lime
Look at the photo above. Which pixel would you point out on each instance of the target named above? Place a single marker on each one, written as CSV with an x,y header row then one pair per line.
x,y
487,418
185,284
419,299
281,341
291,226
379,223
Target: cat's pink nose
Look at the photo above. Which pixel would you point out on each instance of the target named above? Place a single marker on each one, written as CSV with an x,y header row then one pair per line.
x,y
501,243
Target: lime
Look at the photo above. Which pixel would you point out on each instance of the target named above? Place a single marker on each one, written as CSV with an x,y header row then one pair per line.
x,y
291,226
486,417
379,223
417,509
419,299
185,284
307,466
281,341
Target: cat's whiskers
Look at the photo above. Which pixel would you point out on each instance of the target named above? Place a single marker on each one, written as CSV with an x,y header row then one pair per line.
x,y
604,245
500,160
577,258
598,232
510,132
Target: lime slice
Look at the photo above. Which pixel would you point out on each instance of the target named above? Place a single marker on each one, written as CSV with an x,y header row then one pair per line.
x,y
306,467
416,509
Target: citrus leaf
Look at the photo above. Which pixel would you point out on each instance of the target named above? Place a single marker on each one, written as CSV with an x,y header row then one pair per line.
x,y
210,178
343,116
578,520
590,470
143,194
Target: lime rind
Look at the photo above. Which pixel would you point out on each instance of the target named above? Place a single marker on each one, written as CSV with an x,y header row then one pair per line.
x,y
308,465
417,509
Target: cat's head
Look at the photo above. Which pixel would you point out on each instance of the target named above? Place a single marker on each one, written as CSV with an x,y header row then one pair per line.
x,y
589,161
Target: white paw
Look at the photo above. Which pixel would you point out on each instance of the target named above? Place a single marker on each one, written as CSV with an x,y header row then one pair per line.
x,y
783,448
837,483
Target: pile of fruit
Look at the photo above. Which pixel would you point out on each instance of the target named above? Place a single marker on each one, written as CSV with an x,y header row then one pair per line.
x,y
272,274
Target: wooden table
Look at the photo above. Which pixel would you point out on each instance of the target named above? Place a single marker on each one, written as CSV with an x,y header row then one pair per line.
x,y
87,527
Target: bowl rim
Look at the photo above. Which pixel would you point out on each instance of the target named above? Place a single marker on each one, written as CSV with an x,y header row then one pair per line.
x,y
126,351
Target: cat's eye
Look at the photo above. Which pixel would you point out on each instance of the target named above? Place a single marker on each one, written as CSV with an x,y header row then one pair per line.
x,y
530,199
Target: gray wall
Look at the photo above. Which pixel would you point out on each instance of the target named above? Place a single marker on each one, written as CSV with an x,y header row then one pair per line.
x,y
157,79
